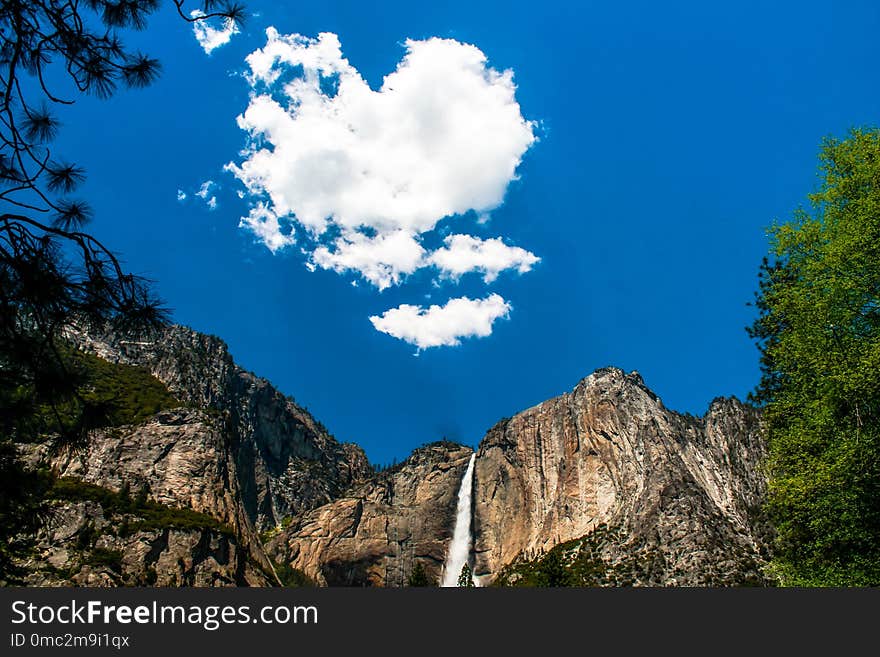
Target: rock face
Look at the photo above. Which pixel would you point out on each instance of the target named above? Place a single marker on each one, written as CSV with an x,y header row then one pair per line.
x,y
181,458
82,545
285,461
238,452
663,498
683,489
376,533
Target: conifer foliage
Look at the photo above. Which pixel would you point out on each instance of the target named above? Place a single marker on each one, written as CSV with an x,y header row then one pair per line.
x,y
53,273
466,578
418,576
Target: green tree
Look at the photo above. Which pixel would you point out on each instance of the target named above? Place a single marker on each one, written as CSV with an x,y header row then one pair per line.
x,y
819,334
466,578
418,576
53,274
553,569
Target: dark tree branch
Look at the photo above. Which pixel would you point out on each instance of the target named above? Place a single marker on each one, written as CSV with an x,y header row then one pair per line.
x,y
53,275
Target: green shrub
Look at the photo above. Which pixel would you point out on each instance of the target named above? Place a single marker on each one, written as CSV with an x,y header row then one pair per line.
x,y
104,558
86,537
418,576
292,577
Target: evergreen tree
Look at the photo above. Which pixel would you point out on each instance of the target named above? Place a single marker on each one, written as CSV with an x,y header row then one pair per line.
x,y
819,334
418,576
553,570
466,579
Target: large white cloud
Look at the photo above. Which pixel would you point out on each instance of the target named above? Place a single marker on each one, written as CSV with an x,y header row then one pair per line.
x,y
442,136
465,253
445,325
365,174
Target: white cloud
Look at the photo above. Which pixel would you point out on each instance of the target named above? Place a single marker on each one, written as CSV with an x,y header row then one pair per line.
x,y
442,136
205,189
465,253
382,260
365,174
385,259
205,194
446,325
181,195
265,225
209,37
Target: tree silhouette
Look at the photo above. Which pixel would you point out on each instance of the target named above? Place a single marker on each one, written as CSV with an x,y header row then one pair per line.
x,y
53,274
466,579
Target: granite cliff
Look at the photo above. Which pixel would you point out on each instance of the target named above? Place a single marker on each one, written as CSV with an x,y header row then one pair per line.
x,y
676,497
235,450
603,481
285,461
376,533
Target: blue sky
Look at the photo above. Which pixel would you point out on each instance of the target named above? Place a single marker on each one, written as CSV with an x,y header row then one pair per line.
x,y
668,138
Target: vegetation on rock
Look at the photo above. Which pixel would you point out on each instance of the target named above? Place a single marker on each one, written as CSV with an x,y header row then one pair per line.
x,y
418,577
110,521
106,395
122,394
606,557
292,577
139,513
578,563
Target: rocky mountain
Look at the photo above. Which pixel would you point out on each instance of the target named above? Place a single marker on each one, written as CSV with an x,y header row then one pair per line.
x,y
679,494
237,451
376,533
285,461
234,484
95,538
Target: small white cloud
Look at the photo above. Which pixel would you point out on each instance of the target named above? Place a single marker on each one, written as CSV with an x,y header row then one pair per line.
x,y
465,253
209,37
446,325
382,260
205,194
265,225
181,195
205,189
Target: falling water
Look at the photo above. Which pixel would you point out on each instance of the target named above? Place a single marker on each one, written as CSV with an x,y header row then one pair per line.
x,y
460,548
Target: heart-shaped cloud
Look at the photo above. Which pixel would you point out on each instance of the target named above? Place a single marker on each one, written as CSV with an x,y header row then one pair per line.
x,y
362,175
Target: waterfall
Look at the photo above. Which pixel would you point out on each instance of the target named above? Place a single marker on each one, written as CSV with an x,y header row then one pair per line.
x,y
460,547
